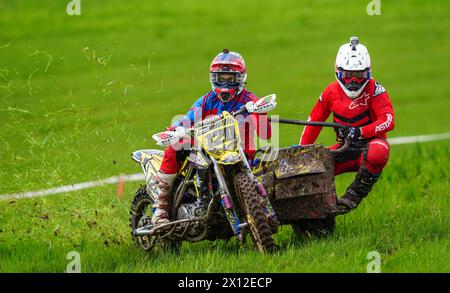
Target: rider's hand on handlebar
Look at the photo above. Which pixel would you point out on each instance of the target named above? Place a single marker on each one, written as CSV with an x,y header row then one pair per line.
x,y
350,133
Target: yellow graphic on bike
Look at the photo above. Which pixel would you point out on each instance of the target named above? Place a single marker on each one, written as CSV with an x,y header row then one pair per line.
x,y
221,139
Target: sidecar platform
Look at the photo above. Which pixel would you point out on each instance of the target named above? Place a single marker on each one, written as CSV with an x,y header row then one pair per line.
x,y
299,181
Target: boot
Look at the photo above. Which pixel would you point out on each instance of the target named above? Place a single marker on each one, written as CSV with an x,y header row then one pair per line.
x,y
165,184
358,190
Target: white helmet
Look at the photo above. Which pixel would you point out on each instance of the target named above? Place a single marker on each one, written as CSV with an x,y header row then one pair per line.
x,y
353,67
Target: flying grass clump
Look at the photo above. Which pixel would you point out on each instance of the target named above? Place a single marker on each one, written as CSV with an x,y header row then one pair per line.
x,y
93,57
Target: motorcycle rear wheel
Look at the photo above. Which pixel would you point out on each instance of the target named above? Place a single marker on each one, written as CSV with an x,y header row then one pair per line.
x,y
140,215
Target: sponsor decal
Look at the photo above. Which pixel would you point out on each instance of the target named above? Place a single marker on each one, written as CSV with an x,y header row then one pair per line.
x,y
379,89
385,124
361,101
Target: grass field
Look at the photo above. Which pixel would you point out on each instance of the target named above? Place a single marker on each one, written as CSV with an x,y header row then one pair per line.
x,y
79,93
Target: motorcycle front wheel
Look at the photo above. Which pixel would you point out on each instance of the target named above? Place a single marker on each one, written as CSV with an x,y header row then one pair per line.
x,y
260,229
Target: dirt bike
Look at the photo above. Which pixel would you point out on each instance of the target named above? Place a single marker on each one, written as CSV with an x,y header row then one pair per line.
x,y
215,194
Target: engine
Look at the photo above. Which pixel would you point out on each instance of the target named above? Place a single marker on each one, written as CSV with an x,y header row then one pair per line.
x,y
186,211
189,211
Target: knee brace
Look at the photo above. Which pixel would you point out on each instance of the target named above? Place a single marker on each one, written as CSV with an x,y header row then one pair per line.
x,y
376,155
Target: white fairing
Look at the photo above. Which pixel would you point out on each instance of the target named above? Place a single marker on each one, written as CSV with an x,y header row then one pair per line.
x,y
166,138
353,56
262,105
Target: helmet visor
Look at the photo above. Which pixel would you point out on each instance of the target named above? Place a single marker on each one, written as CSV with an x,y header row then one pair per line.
x,y
228,79
353,80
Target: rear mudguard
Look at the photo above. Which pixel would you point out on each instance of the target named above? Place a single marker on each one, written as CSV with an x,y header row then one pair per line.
x,y
150,161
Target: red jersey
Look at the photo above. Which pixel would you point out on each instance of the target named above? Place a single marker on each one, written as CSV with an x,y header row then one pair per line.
x,y
371,111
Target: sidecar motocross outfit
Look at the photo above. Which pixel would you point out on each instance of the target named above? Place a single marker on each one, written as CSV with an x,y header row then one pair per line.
x,y
373,114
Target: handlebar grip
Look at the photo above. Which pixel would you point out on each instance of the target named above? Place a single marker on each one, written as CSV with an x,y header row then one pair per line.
x,y
343,148
207,121
240,111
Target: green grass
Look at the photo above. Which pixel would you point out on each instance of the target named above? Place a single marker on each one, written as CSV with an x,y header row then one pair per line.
x,y
66,118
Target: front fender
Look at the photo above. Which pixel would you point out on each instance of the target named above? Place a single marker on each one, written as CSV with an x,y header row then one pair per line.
x,y
230,158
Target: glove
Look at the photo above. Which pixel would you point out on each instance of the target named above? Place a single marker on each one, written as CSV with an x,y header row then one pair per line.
x,y
350,133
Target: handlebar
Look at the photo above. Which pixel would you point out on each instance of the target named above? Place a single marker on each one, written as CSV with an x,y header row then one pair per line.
x,y
240,111
343,148
262,105
339,150
307,123
168,137
217,117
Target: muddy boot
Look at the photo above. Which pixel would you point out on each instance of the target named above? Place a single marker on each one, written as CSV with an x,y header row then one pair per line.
x,y
358,190
165,184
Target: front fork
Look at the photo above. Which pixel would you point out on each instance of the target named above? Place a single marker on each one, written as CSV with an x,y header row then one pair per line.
x,y
227,203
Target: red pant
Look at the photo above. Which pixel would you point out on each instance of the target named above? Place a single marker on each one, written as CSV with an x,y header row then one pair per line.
x,y
374,158
169,164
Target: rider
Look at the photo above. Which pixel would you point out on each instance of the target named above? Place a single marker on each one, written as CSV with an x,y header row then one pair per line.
x,y
359,102
228,73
